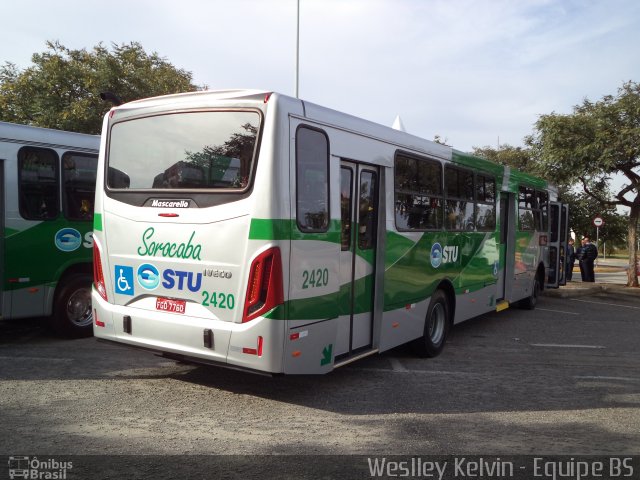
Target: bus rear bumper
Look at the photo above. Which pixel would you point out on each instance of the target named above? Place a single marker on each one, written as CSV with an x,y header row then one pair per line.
x,y
255,346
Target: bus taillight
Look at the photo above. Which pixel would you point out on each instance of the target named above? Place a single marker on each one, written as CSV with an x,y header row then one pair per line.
x,y
264,289
98,275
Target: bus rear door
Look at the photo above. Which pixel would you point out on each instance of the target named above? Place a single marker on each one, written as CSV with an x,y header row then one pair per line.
x,y
558,236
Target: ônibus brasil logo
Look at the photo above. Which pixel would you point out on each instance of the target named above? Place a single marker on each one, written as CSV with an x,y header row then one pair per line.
x,y
30,467
440,254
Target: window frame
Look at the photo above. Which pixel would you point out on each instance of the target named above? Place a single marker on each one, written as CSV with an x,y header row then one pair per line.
x,y
370,235
346,247
539,213
492,203
64,196
328,180
459,198
201,198
544,209
440,196
56,164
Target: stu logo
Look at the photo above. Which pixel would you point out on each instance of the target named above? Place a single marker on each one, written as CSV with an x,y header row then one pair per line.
x,y
446,254
193,281
450,254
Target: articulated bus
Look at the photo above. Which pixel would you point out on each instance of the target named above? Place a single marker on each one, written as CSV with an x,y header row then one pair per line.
x,y
46,219
258,231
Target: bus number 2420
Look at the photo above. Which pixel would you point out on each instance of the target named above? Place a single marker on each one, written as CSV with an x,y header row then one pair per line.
x,y
218,300
315,278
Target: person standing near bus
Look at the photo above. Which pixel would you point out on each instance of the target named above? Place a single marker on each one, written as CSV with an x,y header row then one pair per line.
x,y
570,256
587,254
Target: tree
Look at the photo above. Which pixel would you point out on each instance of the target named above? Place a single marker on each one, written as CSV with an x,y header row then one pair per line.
x,y
589,146
583,208
216,159
515,157
61,89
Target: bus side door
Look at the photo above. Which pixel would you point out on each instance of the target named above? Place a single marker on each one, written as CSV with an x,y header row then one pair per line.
x,y
359,192
507,245
558,235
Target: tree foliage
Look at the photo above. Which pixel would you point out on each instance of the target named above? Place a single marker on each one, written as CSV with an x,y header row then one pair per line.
x,y
62,88
584,208
516,157
591,145
239,146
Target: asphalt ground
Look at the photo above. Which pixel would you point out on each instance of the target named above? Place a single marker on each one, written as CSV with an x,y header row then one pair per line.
x,y
563,379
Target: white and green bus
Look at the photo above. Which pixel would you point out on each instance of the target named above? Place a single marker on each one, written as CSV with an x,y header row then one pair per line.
x,y
46,219
258,231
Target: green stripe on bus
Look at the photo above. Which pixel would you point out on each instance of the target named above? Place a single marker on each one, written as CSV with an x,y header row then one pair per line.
x,y
97,222
313,308
34,254
327,306
410,276
282,229
397,246
266,229
477,163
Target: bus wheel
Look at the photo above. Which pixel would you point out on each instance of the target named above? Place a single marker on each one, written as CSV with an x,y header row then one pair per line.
x,y
531,301
72,314
436,327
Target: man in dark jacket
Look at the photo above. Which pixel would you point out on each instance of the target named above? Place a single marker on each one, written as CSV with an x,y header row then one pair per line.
x,y
570,258
587,253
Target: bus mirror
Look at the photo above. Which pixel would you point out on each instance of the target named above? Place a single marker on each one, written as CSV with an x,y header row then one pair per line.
x,y
111,97
118,179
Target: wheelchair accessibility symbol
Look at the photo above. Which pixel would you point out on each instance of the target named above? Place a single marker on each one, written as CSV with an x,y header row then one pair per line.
x,y
124,279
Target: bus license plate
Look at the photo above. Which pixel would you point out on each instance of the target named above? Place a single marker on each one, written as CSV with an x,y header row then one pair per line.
x,y
170,305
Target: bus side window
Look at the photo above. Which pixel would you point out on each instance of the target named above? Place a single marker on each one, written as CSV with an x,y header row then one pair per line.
x,y
459,205
367,216
485,203
312,180
78,185
528,211
418,193
38,183
543,204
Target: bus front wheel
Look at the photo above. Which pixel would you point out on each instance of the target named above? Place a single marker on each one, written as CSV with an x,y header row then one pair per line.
x,y
530,302
72,314
436,327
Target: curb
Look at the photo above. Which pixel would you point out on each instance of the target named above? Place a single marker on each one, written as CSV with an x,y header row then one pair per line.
x,y
592,290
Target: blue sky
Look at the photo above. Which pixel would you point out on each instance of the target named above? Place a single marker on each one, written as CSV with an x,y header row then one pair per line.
x,y
474,72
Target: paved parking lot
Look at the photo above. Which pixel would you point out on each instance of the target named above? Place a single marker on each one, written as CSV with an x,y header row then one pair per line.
x,y
562,379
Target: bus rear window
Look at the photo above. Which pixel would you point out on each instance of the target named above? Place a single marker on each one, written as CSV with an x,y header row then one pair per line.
x,y
193,151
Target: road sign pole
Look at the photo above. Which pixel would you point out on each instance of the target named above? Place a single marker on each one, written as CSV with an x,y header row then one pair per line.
x,y
598,222
597,243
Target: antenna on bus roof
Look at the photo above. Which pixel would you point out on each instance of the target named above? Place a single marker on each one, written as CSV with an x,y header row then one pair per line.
x,y
111,97
398,125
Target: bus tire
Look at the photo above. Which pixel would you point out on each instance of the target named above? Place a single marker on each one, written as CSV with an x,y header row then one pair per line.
x,y
531,301
436,327
72,313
